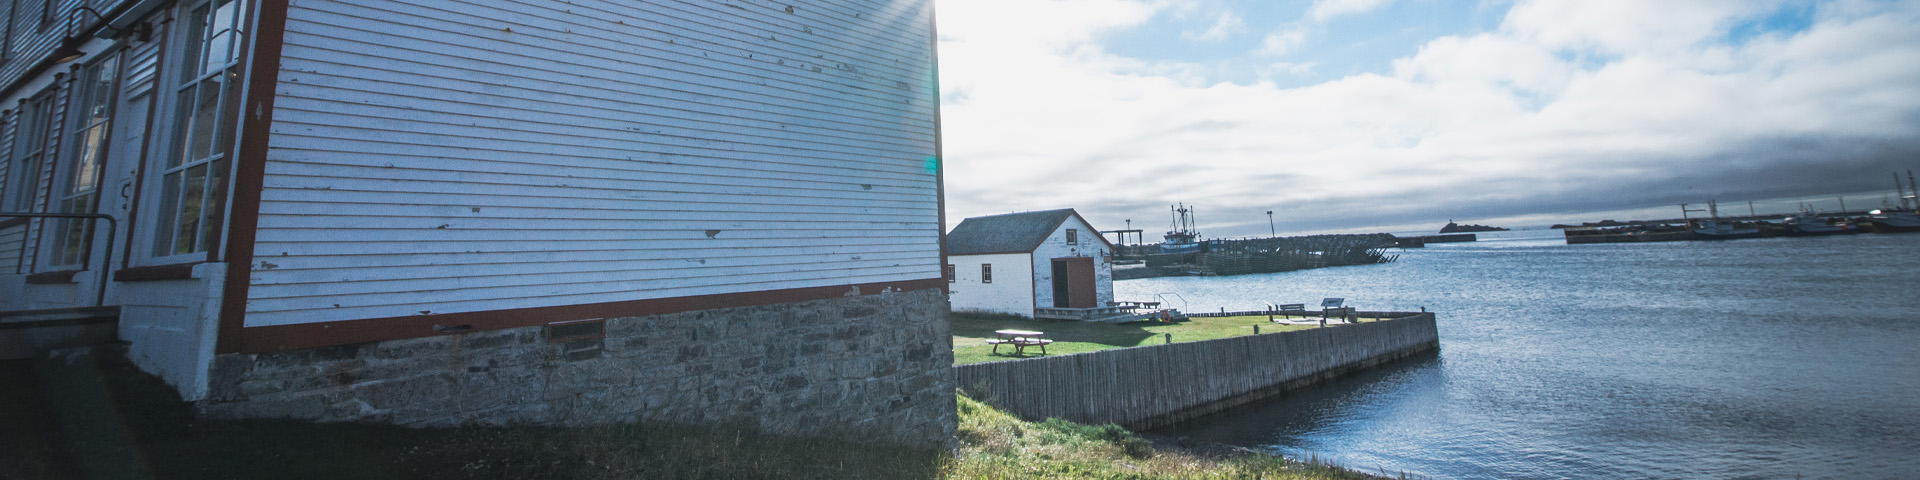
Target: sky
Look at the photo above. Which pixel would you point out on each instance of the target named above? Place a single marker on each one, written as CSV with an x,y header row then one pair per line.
x,y
1396,115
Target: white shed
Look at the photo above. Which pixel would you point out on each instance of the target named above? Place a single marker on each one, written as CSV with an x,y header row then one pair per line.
x,y
1046,264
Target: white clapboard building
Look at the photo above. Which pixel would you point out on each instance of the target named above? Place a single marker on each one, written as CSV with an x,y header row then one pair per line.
x,y
1046,264
692,210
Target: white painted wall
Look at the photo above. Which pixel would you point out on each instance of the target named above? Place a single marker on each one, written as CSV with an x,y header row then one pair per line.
x,y
1009,293
1089,245
456,156
13,292
171,326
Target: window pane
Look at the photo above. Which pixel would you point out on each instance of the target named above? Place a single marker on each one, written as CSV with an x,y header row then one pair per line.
x,y
197,34
223,131
169,203
99,90
86,166
188,226
23,179
200,133
21,183
74,233
183,115
223,44
213,214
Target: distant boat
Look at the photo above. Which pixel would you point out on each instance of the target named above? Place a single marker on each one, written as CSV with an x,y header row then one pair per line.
x,y
1807,224
1907,217
1714,230
1894,221
1183,237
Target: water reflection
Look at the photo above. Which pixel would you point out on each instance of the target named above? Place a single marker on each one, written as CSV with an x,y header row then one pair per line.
x,y
1296,423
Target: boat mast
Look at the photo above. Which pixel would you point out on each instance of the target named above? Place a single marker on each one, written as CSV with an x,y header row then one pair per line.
x,y
1913,190
1899,191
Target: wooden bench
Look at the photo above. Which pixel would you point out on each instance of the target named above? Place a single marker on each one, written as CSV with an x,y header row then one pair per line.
x,y
1291,310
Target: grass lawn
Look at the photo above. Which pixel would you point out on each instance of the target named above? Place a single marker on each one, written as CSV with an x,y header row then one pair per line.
x,y
105,420
971,331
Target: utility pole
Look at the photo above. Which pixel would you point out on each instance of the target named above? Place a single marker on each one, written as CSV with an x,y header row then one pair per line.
x,y
1271,232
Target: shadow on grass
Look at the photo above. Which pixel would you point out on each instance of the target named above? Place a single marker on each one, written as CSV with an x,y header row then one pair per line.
x,y
977,325
104,419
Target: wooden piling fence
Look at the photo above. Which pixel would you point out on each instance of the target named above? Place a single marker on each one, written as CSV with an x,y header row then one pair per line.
x,y
1152,386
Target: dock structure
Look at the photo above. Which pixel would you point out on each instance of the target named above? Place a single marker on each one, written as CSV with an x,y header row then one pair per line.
x,y
1159,385
1274,254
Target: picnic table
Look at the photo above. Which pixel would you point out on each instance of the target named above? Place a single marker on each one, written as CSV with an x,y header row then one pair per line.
x,y
1020,339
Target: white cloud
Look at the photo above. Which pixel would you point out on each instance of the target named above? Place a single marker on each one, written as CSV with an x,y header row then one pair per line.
x,y
1283,41
1322,10
1623,27
1287,68
1561,109
1224,26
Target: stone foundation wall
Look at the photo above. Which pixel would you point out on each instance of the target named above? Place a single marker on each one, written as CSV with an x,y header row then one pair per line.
x,y
875,368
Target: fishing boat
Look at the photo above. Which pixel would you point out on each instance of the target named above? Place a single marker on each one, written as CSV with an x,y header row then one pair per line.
x,y
1715,230
1182,237
1887,221
1809,224
1904,219
1712,229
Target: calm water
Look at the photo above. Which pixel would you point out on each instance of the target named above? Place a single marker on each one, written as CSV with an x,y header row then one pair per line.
x,y
1764,358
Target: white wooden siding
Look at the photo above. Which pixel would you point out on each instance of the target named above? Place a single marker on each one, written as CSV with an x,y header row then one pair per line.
x,y
1088,244
440,156
1010,292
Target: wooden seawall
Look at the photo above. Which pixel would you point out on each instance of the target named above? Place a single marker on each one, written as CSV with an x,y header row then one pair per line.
x,y
1154,386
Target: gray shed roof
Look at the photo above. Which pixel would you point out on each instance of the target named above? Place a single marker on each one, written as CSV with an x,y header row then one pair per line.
x,y
1010,233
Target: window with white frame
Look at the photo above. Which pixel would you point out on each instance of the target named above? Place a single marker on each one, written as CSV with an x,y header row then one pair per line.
x,y
986,273
193,175
1073,236
79,190
29,150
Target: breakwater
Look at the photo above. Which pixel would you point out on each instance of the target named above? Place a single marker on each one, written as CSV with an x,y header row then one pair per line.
x,y
1155,386
1259,255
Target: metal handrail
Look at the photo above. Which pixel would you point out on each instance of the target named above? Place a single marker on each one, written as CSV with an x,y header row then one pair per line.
x,y
106,261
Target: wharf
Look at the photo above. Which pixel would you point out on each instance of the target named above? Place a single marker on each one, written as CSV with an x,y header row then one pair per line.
x,y
1582,236
1419,241
1258,255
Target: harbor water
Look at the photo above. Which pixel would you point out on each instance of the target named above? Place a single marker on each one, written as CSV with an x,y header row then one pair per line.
x,y
1760,358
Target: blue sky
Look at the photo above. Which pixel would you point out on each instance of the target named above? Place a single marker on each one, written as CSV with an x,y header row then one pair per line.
x,y
1383,114
1351,44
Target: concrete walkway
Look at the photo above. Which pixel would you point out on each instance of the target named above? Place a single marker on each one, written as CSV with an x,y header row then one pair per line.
x,y
1308,321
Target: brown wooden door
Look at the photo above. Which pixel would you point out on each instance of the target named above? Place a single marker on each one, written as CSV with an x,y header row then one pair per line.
x,y
1073,285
